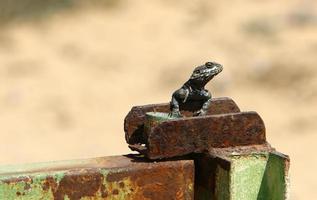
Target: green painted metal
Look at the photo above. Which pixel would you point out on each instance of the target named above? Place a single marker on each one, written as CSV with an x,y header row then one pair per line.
x,y
159,116
247,173
254,176
222,188
30,188
275,182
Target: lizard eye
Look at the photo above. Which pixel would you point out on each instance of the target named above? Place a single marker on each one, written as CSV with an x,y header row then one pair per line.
x,y
196,72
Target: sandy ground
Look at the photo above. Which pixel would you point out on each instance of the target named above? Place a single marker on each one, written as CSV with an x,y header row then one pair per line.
x,y
67,80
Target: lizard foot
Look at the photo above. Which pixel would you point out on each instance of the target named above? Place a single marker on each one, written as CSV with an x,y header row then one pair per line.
x,y
200,112
175,114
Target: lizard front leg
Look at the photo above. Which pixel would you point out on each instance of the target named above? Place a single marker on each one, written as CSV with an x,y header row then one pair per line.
x,y
203,111
175,108
178,95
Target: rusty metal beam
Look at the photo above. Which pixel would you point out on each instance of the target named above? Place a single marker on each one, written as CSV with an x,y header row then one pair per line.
x,y
116,177
135,119
177,137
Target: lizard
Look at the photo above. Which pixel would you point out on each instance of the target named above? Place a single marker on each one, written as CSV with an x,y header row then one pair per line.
x,y
194,89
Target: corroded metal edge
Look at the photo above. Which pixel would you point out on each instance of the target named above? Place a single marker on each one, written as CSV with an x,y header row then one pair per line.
x,y
134,121
200,134
116,177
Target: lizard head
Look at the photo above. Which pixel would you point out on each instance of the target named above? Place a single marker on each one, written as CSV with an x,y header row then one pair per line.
x,y
204,73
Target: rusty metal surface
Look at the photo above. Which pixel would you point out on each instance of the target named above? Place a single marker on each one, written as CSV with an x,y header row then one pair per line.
x,y
134,121
200,134
116,177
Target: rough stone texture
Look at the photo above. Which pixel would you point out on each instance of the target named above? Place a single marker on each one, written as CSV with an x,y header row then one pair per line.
x,y
117,177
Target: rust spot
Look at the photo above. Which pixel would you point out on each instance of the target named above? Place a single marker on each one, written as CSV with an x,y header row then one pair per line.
x,y
121,185
164,181
48,183
103,191
18,179
27,186
179,195
115,192
78,184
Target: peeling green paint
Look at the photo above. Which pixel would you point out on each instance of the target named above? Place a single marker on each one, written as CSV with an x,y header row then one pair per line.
x,y
124,187
113,178
27,186
31,187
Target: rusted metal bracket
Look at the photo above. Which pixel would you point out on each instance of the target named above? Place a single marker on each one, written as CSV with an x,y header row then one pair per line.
x,y
232,157
223,126
136,118
179,137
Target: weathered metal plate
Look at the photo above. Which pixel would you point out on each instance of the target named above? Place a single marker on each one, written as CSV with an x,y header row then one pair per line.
x,y
116,177
242,174
183,136
134,121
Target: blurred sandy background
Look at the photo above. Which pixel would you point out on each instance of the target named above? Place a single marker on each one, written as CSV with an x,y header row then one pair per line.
x,y
71,70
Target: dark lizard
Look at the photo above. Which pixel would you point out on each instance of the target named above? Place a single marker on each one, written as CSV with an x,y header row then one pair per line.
x,y
194,89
